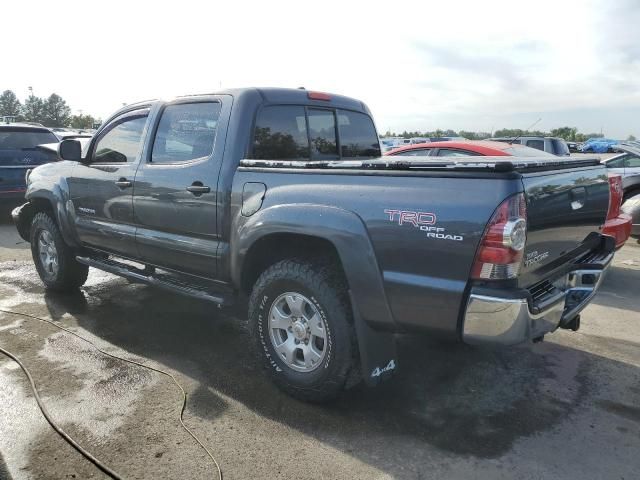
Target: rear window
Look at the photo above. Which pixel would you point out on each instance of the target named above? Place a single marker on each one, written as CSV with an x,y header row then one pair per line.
x,y
322,133
21,139
358,136
538,144
281,134
288,132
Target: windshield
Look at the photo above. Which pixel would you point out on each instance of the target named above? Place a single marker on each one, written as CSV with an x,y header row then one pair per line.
x,y
25,138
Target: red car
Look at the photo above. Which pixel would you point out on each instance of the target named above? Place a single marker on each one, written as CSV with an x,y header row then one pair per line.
x,y
618,224
466,148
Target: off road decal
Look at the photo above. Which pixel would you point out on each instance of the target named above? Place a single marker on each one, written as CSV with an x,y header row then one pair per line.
x,y
423,221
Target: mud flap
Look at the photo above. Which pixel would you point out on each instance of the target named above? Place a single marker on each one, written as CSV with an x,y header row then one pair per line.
x,y
378,355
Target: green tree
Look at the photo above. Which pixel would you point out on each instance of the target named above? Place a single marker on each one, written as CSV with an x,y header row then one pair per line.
x,y
33,109
82,121
568,133
56,112
631,138
10,105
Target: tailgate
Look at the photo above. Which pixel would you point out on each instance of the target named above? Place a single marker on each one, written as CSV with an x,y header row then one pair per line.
x,y
565,211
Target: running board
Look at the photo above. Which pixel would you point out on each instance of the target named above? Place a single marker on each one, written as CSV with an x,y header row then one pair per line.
x,y
168,282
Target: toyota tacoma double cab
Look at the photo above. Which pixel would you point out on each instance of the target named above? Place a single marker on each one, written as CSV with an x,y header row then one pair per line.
x,y
281,195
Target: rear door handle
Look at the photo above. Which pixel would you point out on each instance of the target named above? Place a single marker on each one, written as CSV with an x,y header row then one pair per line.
x,y
123,183
198,189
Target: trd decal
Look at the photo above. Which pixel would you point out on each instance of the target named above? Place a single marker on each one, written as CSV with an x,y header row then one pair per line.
x,y
424,221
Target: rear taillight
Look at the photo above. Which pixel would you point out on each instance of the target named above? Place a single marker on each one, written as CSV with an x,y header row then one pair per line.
x,y
500,252
615,198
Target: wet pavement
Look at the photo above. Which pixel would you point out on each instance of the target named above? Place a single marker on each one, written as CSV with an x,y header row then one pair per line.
x,y
566,408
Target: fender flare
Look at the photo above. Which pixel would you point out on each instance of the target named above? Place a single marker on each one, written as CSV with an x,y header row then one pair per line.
x,y
59,199
344,230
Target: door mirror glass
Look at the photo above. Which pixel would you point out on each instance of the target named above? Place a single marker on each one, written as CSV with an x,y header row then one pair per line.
x,y
70,150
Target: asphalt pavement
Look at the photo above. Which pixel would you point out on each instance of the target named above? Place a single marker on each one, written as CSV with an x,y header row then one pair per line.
x,y
566,408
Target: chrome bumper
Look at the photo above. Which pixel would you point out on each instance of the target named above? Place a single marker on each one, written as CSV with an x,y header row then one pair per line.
x,y
509,321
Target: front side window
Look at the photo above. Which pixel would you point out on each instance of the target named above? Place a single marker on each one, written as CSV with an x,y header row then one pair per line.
x,y
186,131
121,144
281,134
617,162
358,137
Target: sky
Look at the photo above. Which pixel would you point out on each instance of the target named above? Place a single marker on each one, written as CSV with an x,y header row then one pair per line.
x,y
464,65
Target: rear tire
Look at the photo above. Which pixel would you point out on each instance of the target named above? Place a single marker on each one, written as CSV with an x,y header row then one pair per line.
x,y
311,356
54,259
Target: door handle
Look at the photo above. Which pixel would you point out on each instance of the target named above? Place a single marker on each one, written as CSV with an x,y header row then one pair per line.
x,y
198,189
123,183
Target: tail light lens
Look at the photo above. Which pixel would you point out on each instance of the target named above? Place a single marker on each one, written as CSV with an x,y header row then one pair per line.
x,y
502,246
615,196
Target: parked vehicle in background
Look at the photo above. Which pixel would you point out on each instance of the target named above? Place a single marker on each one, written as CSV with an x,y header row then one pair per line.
x,y
627,164
599,145
632,208
282,195
20,151
553,145
618,223
574,147
468,147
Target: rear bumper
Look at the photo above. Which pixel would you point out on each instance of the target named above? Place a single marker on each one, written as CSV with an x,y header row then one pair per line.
x,y
618,228
501,320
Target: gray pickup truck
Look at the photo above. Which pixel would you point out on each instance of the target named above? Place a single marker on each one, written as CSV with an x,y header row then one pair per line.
x,y
282,195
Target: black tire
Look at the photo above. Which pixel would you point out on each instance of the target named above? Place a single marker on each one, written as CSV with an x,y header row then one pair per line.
x,y
69,274
325,287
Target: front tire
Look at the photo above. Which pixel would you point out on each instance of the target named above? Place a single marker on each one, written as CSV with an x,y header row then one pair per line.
x,y
301,322
54,260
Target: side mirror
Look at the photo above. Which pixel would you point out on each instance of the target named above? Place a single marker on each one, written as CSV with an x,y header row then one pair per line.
x,y
70,150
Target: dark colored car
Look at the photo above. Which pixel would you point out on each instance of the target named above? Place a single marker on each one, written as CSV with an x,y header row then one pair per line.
x,y
19,152
282,195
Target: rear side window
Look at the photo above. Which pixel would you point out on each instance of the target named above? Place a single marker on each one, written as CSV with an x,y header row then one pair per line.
x,y
418,152
281,134
358,136
186,131
450,152
537,144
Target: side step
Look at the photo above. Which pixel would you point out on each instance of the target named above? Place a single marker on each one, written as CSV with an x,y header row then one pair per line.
x,y
166,281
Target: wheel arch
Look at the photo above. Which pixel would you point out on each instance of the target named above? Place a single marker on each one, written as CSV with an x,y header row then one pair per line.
x,y
306,229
